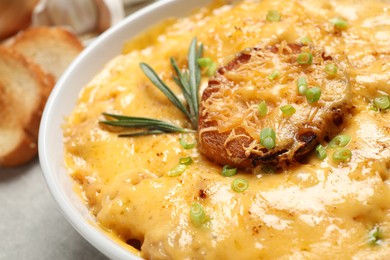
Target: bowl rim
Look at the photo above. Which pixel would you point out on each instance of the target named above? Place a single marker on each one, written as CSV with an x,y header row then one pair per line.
x,y
49,132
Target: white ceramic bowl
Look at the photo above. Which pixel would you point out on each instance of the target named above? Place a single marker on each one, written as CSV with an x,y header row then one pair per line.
x,y
62,101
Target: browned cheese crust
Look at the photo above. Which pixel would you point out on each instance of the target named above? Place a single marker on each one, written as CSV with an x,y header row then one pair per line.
x,y
229,121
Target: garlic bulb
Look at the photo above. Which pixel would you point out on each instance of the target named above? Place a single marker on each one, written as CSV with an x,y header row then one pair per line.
x,y
82,16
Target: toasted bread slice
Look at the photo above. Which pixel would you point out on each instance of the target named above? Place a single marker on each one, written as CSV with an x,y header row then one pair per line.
x,y
24,89
53,48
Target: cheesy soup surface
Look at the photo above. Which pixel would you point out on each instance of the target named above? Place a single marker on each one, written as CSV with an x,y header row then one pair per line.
x,y
318,210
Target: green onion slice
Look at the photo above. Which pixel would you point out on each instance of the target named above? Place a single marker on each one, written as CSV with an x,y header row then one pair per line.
x,y
305,58
273,75
340,141
313,94
301,86
197,214
273,16
178,170
321,152
331,69
209,64
205,62
211,69
268,138
288,110
228,171
240,185
305,40
339,23
382,102
342,155
186,160
374,236
183,142
262,109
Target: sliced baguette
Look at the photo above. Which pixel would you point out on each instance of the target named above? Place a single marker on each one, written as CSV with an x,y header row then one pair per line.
x,y
24,89
53,48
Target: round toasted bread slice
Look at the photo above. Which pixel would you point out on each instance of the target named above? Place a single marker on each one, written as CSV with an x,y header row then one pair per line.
x,y
53,48
23,92
230,121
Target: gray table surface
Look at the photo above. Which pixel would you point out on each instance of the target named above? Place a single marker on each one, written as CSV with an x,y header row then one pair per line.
x,y
31,224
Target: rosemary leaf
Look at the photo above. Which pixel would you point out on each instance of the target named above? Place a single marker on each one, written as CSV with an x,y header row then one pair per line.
x,y
155,79
200,51
142,122
198,71
182,81
144,133
194,79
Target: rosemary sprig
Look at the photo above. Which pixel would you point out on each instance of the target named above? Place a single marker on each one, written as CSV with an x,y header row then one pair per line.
x,y
155,79
152,126
188,81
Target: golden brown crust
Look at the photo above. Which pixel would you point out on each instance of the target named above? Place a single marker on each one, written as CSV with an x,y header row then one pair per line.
x,y
229,124
52,48
24,89
25,151
30,35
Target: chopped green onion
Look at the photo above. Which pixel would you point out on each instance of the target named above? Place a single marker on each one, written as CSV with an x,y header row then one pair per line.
x,y
273,75
339,23
268,142
178,170
340,141
267,137
209,64
240,185
262,109
197,214
287,110
185,160
382,102
321,152
228,171
273,16
305,40
205,62
374,108
301,86
313,94
185,145
331,69
374,236
305,58
212,69
342,155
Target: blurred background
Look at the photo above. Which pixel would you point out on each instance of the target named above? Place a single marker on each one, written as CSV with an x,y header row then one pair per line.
x,y
86,18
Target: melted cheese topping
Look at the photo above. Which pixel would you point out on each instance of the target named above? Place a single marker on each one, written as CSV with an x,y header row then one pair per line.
x,y
233,103
321,209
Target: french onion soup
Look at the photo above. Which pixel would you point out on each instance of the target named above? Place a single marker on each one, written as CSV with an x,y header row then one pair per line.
x,y
246,130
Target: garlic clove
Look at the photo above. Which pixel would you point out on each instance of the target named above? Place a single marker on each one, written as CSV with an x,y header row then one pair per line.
x,y
83,16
